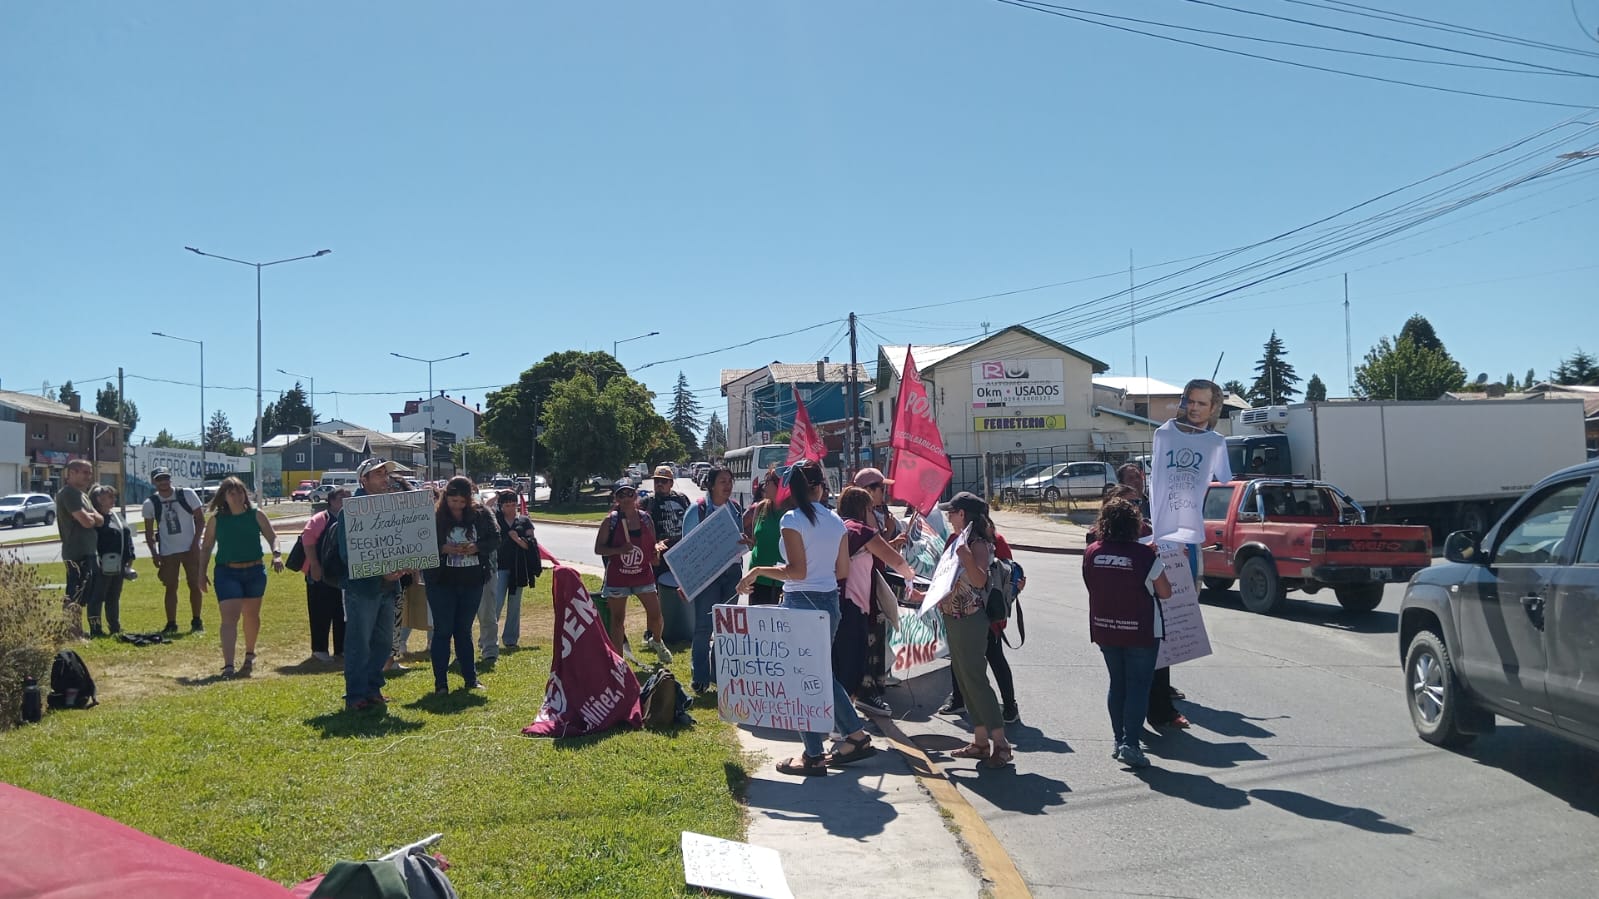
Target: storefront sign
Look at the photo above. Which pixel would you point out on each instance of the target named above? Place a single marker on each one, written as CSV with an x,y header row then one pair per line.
x,y
1020,423
54,457
1018,382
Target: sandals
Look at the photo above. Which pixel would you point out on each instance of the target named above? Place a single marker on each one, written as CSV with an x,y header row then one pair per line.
x,y
972,751
854,750
1002,757
804,766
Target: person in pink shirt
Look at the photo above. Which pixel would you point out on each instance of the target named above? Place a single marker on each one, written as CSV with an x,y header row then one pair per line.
x,y
323,602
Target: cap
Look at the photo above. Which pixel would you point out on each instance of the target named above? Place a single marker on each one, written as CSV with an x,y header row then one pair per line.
x,y
665,472
372,465
966,503
870,477
159,473
623,484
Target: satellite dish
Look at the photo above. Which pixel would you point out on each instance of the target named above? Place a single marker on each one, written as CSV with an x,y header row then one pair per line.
x,y
1481,379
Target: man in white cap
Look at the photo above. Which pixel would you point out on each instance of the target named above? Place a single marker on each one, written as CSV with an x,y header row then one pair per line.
x,y
173,520
368,609
666,508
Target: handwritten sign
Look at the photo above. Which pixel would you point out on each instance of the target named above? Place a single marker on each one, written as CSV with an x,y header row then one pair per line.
x,y
389,532
944,575
735,868
1186,638
774,667
706,551
917,645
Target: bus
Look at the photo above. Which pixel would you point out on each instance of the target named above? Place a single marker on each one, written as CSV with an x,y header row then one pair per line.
x,y
749,462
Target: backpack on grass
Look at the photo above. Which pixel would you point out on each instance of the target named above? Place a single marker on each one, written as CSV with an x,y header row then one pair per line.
x,y
663,701
71,685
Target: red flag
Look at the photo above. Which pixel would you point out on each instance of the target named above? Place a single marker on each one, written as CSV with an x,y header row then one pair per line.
x,y
803,441
919,468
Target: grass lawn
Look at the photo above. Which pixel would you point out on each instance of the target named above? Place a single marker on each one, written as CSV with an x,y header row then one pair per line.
x,y
269,774
591,505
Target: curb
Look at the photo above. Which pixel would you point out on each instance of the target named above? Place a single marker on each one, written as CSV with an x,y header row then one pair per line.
x,y
1004,881
1052,550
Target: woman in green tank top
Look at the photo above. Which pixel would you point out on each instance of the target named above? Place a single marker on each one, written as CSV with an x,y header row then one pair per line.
x,y
766,530
234,532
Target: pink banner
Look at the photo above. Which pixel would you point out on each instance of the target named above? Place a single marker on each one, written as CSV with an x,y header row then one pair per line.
x,y
919,468
804,442
590,688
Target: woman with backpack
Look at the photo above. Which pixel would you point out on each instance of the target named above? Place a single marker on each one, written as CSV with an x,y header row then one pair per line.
x,y
113,561
869,553
517,565
235,531
467,538
997,663
626,541
324,602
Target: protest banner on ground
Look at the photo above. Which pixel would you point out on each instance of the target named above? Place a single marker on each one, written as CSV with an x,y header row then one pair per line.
x,y
738,869
590,689
389,532
706,551
774,667
1186,638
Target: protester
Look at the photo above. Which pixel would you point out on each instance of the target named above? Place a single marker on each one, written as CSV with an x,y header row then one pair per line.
x,y
1124,578
517,565
626,541
869,553
666,508
402,634
324,603
966,627
762,525
76,520
995,657
1131,474
234,531
816,558
467,539
368,608
173,521
888,527
722,590
113,562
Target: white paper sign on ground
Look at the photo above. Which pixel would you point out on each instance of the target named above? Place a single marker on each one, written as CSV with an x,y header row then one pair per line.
x,y
1186,639
706,551
944,575
389,532
774,667
736,868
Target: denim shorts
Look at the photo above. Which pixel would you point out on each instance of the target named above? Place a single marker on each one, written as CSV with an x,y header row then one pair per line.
x,y
239,583
630,590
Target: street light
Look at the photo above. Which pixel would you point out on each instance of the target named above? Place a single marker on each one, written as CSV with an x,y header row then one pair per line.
x,y
255,463
616,343
201,345
427,436
313,392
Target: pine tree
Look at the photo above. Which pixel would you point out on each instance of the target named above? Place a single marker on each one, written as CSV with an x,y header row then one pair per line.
x,y
1236,388
1275,378
1581,368
1531,379
68,395
108,405
1420,332
1315,390
715,437
685,415
293,412
218,433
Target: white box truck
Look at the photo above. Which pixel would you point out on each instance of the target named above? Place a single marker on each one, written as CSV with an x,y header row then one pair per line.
x,y
1453,464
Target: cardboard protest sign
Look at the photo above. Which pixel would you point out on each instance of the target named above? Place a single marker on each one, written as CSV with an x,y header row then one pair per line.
x,y
944,575
389,532
774,667
1185,638
738,869
590,688
916,645
706,551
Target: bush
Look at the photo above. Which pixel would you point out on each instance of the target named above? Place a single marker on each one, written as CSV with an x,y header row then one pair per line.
x,y
32,629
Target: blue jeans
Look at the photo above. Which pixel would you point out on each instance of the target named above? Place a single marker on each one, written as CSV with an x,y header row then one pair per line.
x,y
453,609
511,603
488,614
844,718
721,591
368,636
1132,669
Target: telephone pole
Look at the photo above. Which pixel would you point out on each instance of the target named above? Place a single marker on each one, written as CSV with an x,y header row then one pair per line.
x,y
1349,353
852,405
122,452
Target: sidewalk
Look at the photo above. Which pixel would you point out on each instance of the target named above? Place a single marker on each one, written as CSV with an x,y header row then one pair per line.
x,y
1037,533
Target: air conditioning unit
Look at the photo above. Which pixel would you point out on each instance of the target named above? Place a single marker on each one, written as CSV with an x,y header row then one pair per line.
x,y
1266,418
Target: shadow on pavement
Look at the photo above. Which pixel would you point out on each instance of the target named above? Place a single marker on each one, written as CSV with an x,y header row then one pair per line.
x,y
1182,746
1559,768
1322,810
1004,788
1321,610
1226,722
937,742
1195,788
839,802
1028,738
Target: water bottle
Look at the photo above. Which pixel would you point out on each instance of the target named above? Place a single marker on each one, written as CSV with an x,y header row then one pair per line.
x,y
32,701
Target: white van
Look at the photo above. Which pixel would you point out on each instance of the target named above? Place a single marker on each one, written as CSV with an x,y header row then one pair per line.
x,y
340,479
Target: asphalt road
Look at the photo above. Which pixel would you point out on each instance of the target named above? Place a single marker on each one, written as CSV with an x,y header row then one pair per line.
x,y
1301,776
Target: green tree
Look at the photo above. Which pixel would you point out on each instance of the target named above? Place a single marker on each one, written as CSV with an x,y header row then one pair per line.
x,y
219,436
1581,368
715,437
685,415
293,413
269,422
165,440
1531,379
1315,390
583,429
1421,333
1274,377
108,405
1403,370
1510,382
68,395
484,460
1236,388
512,411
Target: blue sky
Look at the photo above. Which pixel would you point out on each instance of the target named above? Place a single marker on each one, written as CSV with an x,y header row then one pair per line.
x,y
515,179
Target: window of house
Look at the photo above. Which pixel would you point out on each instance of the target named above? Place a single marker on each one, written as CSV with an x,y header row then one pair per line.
x,y
41,432
299,457
337,458
879,411
72,436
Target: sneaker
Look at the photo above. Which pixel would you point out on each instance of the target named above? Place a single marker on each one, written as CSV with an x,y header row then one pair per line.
x,y
195,627
1012,713
951,707
660,650
627,653
322,656
170,630
1133,757
874,705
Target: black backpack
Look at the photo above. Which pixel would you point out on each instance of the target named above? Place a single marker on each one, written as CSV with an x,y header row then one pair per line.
x,y
334,568
177,492
663,701
71,685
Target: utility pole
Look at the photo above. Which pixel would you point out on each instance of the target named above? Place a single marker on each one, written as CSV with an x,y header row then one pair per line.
x,y
122,451
1132,312
852,404
533,460
1349,353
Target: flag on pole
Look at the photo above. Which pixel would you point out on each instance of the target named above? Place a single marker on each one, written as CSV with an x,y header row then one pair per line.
x,y
803,441
919,468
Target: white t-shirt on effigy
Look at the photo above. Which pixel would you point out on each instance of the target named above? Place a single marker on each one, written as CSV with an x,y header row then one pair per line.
x,y
822,541
1182,466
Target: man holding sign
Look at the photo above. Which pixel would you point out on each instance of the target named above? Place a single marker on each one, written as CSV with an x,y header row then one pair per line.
x,y
368,603
723,586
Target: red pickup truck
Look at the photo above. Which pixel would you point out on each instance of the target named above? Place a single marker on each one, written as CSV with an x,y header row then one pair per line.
x,y
1272,535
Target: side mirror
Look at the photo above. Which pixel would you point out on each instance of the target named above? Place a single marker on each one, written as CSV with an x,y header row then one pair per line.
x,y
1463,547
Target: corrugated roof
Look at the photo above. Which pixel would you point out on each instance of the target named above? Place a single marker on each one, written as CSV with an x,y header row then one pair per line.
x,y
926,355
25,402
805,372
729,375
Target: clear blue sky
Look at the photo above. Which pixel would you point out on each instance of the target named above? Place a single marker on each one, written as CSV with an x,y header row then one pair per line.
x,y
515,179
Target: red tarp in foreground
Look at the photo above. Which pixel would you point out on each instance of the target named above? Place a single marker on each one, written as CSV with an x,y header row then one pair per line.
x,y
57,851
591,689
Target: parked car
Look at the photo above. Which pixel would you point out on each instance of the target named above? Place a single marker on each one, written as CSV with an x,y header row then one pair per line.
x,y
1007,487
1507,625
302,493
1273,535
1072,480
19,509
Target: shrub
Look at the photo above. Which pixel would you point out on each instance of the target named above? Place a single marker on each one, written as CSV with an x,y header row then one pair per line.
x,y
32,628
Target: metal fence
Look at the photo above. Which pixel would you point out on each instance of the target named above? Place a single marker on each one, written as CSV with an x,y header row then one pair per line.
x,y
1021,478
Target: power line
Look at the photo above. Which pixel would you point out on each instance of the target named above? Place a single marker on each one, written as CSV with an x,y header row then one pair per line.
x,y
1372,12
736,346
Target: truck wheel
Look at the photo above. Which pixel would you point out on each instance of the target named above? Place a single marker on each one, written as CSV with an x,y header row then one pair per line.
x,y
1262,592
1051,495
1359,597
1219,584
1437,703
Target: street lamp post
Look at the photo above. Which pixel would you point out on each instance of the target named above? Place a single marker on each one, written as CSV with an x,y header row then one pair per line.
x,y
617,343
427,436
255,462
313,392
201,345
